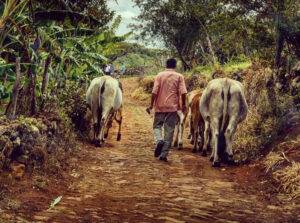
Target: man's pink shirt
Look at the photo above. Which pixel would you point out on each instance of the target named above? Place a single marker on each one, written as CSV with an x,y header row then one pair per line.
x,y
168,86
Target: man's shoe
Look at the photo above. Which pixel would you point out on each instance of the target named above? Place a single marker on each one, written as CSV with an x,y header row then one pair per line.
x,y
158,148
163,159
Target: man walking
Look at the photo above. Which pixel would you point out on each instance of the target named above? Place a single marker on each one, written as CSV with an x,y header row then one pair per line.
x,y
112,68
122,70
169,86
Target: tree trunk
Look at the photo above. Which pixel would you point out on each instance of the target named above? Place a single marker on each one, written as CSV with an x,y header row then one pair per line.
x,y
211,51
185,65
46,75
15,91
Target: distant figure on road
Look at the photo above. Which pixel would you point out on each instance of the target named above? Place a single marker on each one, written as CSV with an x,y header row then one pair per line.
x,y
122,70
169,86
107,70
112,68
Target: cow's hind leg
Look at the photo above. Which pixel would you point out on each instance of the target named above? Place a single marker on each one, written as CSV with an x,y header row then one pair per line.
x,y
195,136
228,138
96,124
181,127
109,125
120,124
206,135
190,124
103,124
191,132
215,137
201,139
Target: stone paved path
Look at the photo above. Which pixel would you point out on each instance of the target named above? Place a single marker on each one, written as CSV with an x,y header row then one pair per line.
x,y
123,182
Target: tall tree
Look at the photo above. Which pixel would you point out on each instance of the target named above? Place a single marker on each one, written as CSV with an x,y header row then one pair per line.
x,y
181,25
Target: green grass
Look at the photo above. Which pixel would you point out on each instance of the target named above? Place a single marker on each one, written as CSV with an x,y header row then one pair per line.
x,y
235,66
129,76
229,67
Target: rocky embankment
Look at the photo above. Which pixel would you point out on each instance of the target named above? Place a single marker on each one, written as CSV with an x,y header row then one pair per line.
x,y
28,142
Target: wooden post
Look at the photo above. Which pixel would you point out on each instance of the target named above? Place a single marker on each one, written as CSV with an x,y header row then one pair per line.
x,y
15,91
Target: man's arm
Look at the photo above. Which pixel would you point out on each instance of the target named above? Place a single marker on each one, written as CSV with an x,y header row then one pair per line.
x,y
153,97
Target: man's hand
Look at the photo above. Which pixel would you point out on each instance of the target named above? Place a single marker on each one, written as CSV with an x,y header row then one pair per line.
x,y
149,109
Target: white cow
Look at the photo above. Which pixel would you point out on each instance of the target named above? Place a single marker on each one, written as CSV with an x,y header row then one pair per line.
x,y
104,97
222,106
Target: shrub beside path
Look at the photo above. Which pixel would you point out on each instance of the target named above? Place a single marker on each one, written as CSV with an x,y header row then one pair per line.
x,y
123,182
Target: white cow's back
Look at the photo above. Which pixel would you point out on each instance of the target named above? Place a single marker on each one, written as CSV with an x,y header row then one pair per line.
x,y
112,95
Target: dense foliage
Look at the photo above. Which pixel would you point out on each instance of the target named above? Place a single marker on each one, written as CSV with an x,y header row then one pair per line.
x,y
205,32
136,55
60,43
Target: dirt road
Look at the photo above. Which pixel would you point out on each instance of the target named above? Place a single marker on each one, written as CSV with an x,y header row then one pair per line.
x,y
123,182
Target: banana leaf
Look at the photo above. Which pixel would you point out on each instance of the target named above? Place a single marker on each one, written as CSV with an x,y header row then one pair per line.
x,y
61,15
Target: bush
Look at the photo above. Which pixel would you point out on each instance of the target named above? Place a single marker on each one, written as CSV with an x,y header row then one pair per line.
x,y
72,103
266,113
147,83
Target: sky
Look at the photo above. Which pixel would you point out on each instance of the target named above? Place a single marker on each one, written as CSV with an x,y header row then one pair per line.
x,y
126,9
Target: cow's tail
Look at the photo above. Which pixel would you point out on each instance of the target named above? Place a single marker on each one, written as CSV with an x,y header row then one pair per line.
x,y
225,104
100,92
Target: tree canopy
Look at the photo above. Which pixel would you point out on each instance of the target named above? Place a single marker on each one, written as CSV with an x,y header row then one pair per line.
x,y
203,32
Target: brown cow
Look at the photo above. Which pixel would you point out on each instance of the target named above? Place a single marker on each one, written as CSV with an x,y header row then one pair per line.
x,y
190,97
196,123
222,106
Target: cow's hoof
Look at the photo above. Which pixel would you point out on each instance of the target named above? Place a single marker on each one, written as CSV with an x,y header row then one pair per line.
x,y
119,137
208,148
211,159
105,136
175,144
230,160
194,150
216,164
203,153
102,140
180,148
98,143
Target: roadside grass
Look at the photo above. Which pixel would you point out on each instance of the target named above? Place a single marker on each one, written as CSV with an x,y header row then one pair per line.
x,y
229,67
129,76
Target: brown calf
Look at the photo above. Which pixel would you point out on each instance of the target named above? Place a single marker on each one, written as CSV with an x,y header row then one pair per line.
x,y
197,124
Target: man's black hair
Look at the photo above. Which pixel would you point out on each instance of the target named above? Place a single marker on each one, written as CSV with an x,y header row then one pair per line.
x,y
171,63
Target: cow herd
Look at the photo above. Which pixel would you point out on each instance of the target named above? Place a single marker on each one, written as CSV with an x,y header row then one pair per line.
x,y
213,115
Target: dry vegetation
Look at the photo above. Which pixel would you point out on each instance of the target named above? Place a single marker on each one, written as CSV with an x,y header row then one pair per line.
x,y
284,167
143,92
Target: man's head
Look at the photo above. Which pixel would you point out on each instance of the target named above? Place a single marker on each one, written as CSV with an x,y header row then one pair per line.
x,y
171,63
